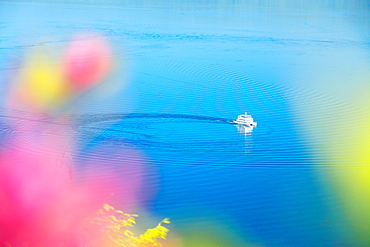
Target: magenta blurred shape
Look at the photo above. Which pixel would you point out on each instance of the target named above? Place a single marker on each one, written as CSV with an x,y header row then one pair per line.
x,y
87,60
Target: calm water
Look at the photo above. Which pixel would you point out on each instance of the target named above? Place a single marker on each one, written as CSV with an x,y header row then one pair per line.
x,y
192,67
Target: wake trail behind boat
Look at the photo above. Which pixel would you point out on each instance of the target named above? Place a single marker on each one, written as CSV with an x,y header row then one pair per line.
x,y
110,117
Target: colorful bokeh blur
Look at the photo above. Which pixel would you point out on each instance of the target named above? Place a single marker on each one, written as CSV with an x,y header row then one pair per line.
x,y
47,83
45,199
343,141
302,178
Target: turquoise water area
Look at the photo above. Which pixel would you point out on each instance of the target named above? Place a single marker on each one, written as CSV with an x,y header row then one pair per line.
x,y
191,67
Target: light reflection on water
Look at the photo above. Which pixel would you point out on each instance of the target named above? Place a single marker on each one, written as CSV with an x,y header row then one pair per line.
x,y
194,67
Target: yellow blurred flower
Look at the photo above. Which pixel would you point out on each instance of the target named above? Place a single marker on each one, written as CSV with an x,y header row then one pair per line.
x,y
115,230
41,81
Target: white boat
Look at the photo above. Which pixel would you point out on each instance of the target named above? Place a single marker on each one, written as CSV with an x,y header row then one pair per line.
x,y
246,120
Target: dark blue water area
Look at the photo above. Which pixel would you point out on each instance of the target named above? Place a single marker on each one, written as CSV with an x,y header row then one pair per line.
x,y
205,165
191,68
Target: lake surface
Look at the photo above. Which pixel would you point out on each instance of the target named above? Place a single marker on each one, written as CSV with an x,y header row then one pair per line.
x,y
300,69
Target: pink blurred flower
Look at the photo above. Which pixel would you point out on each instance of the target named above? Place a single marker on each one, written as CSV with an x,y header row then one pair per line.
x,y
87,60
41,206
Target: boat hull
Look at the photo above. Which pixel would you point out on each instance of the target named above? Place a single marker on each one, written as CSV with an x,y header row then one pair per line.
x,y
253,124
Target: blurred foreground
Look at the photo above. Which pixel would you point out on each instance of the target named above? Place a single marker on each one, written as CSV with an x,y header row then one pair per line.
x,y
45,200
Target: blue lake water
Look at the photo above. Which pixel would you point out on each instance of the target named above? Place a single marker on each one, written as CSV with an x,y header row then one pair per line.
x,y
191,67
